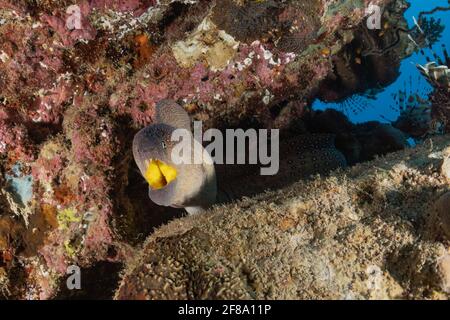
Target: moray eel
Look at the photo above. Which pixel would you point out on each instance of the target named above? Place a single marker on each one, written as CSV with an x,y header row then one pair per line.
x,y
194,186
301,156
188,186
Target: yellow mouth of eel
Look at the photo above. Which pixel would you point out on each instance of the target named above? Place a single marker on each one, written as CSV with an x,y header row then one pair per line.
x,y
159,174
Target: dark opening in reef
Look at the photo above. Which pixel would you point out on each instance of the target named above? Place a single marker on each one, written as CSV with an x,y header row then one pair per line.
x,y
93,286
142,214
39,133
176,9
136,216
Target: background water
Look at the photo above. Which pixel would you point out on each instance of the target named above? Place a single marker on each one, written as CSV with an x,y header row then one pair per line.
x,y
381,107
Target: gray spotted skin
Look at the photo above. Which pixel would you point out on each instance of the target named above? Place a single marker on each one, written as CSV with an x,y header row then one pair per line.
x,y
172,114
300,157
310,154
195,185
152,142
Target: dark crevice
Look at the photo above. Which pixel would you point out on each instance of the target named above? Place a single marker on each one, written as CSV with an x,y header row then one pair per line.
x,y
93,286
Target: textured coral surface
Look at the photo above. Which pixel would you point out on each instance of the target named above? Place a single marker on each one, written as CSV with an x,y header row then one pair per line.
x,y
371,232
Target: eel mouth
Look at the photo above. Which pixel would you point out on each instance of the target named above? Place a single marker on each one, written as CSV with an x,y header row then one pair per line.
x,y
159,174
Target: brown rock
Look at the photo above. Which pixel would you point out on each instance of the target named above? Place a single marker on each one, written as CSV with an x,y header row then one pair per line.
x,y
445,169
444,272
443,210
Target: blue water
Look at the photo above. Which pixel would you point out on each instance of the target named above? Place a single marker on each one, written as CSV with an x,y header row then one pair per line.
x,y
380,108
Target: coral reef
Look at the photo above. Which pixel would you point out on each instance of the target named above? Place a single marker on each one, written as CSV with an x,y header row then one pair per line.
x,y
371,60
79,78
370,232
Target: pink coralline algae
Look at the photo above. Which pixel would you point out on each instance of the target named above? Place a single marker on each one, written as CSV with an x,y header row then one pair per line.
x,y
69,31
70,34
13,141
137,7
91,136
49,107
44,169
